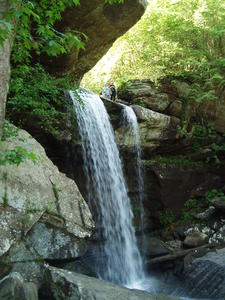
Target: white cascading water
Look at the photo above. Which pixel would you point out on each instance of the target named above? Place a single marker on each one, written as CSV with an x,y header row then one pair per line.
x,y
130,119
107,189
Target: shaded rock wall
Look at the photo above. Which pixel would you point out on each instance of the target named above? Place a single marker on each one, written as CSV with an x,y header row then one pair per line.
x,y
176,166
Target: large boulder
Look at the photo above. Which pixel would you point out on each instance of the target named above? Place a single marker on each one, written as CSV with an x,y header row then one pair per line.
x,y
43,215
102,23
61,284
13,287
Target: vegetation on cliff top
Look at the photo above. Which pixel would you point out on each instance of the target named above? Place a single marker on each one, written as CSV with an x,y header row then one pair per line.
x,y
179,38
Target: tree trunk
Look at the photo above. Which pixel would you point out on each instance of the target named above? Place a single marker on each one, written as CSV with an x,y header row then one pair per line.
x,y
5,52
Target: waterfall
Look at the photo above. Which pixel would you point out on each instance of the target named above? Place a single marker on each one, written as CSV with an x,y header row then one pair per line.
x,y
130,119
107,192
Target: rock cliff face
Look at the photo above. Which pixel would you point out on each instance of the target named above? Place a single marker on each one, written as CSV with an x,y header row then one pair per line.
x,y
43,215
103,24
178,164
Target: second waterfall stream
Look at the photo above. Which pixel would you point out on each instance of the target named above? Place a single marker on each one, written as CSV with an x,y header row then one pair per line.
x,y
107,193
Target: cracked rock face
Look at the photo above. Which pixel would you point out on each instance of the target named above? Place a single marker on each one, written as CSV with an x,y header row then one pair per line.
x,y
40,208
102,24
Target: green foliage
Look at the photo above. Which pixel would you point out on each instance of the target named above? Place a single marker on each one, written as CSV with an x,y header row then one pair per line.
x,y
8,131
187,215
36,32
214,193
16,156
179,38
166,218
36,96
5,200
193,205
56,191
5,196
218,148
173,160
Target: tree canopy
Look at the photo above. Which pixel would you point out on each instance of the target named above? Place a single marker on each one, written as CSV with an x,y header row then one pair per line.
x,y
174,38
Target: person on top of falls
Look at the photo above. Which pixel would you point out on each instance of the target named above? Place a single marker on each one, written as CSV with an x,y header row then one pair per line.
x,y
107,91
113,91
102,94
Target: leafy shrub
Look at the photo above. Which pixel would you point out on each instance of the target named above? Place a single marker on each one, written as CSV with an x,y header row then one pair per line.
x,y
36,97
214,193
15,155
166,218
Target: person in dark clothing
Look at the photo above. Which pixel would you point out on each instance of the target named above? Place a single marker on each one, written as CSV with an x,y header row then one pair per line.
x,y
113,91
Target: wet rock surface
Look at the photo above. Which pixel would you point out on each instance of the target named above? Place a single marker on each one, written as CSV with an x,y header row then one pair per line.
x,y
13,287
63,284
205,277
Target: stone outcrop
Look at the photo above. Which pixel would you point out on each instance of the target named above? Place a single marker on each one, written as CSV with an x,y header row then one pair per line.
x,y
62,284
43,215
144,92
103,24
155,128
13,287
172,97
